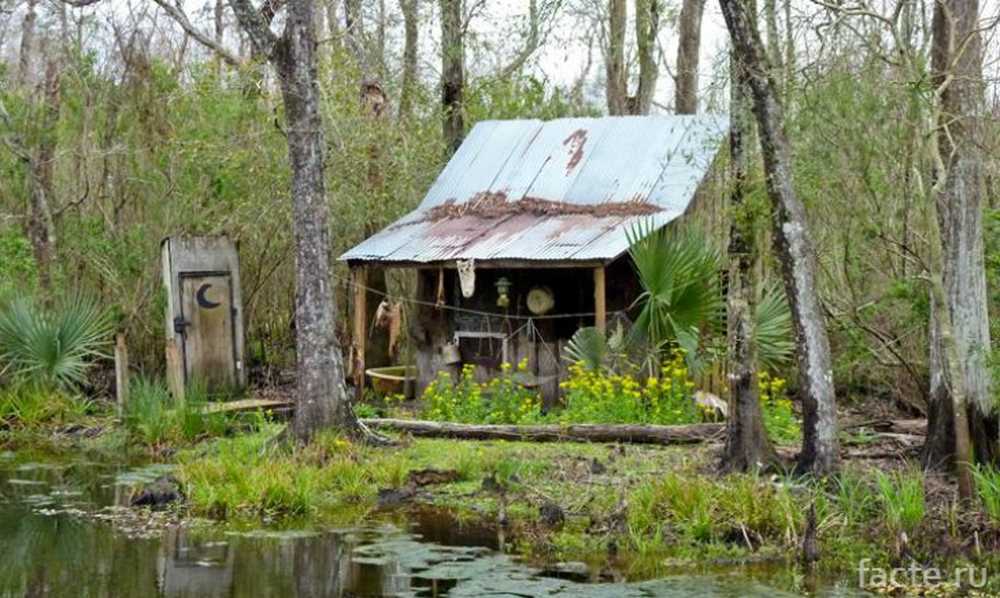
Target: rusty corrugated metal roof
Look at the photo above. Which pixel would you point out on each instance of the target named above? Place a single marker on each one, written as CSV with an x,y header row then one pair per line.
x,y
566,189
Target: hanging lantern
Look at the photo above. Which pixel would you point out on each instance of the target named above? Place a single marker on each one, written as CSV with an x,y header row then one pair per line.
x,y
503,291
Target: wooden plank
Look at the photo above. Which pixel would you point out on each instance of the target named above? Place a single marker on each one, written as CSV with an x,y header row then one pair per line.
x,y
600,300
175,371
360,279
247,405
121,374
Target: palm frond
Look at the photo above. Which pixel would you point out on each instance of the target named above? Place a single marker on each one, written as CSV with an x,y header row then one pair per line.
x,y
678,270
772,331
588,346
53,347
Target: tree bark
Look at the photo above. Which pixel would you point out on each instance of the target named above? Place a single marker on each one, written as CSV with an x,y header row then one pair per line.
x,y
41,225
820,446
688,50
321,395
960,377
354,29
616,84
411,24
27,42
647,25
452,73
636,433
220,32
747,445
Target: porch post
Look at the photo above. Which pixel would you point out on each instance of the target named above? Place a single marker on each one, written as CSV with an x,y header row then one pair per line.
x,y
600,305
359,276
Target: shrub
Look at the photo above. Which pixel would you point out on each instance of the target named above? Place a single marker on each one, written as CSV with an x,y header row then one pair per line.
x,y
502,400
52,348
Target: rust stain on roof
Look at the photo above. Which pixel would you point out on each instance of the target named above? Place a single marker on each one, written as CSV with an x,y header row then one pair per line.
x,y
575,143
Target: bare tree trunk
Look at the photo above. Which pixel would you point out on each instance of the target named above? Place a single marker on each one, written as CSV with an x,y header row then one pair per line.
x,y
452,73
41,224
220,32
820,446
771,22
332,22
647,25
747,445
962,318
616,85
322,401
411,23
688,50
354,30
27,42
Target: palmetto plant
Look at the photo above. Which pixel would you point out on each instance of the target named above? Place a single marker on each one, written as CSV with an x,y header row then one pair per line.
x,y
772,328
679,273
52,347
596,351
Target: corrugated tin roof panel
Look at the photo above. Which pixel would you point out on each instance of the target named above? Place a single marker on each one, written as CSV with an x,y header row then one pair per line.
x,y
568,163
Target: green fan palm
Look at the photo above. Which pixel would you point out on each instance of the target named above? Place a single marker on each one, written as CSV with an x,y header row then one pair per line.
x,y
53,347
679,273
597,351
772,332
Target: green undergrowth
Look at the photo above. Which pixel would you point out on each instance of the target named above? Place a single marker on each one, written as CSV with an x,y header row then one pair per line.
x,y
646,511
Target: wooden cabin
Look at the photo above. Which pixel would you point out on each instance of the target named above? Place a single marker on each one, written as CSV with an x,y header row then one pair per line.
x,y
523,237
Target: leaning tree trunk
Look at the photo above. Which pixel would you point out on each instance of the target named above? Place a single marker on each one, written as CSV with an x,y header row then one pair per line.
x,y
960,382
688,50
747,445
452,73
820,446
321,395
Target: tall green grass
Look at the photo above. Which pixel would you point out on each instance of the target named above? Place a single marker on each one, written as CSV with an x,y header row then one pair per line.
x,y
902,499
25,405
988,488
153,418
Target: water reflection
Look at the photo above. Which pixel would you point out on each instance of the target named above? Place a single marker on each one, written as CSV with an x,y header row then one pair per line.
x,y
48,549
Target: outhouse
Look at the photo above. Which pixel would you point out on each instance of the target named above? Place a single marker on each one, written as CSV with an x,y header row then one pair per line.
x,y
204,312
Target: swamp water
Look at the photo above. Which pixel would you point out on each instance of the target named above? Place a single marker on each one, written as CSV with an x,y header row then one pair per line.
x,y
61,534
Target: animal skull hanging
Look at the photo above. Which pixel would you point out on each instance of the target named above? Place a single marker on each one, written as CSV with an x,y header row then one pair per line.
x,y
467,276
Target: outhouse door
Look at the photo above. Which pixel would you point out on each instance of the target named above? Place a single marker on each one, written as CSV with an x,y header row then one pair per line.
x,y
207,324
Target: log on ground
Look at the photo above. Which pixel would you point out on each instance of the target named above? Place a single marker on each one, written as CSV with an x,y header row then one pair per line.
x,y
632,433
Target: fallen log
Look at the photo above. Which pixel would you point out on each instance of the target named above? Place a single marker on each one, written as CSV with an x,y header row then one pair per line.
x,y
631,433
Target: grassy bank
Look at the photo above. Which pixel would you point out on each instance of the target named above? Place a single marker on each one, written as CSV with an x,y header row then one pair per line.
x,y
638,510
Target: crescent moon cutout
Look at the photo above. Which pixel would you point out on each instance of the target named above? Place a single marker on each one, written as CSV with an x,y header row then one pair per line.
x,y
202,300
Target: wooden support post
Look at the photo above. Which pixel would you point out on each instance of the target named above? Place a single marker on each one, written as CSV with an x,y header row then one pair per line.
x,y
600,300
175,371
360,278
121,374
